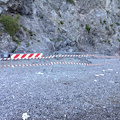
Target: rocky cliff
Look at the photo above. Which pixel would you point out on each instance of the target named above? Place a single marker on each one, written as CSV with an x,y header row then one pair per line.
x,y
63,25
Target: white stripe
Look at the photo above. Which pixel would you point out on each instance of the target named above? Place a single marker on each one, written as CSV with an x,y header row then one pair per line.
x,y
34,56
27,56
41,55
19,57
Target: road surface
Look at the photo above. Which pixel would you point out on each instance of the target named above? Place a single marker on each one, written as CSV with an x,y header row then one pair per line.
x,y
61,92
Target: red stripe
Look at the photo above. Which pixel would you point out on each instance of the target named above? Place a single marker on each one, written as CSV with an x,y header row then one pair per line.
x,y
24,56
17,55
30,55
37,55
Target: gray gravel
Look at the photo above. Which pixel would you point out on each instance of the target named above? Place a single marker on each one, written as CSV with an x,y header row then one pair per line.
x,y
61,92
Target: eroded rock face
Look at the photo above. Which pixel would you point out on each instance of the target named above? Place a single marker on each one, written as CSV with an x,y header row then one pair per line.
x,y
91,25
24,7
3,1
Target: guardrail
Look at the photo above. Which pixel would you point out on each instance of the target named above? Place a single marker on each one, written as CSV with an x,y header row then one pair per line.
x,y
17,56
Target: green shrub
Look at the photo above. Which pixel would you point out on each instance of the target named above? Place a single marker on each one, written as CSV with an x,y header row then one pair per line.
x,y
79,40
61,22
107,28
88,28
0,32
31,33
104,21
119,40
51,39
108,12
101,22
59,39
10,23
41,16
24,28
109,42
59,29
118,24
16,40
111,25
71,1
28,44
105,41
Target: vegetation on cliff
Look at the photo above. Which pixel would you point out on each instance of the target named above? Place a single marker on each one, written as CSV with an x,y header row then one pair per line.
x,y
10,23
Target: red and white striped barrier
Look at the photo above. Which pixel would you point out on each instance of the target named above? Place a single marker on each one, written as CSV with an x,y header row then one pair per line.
x,y
40,56
5,59
68,63
44,64
37,56
26,56
53,63
70,55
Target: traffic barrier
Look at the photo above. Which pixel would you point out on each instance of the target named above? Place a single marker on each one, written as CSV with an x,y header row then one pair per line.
x,y
70,55
26,56
7,59
23,56
52,63
31,56
40,56
44,64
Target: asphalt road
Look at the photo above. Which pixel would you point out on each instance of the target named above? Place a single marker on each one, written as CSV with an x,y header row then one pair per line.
x,y
61,92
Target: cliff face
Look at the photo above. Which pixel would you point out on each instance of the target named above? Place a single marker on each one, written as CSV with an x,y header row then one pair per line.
x,y
86,25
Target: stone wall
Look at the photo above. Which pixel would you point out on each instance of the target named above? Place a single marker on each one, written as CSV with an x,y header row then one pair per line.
x,y
89,25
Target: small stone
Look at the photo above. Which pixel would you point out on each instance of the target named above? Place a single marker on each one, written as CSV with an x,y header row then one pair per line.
x,y
110,69
13,96
65,115
101,74
112,82
95,80
104,107
25,116
39,73
97,75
